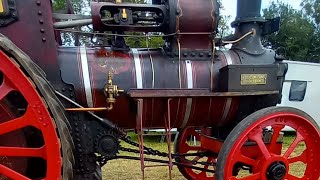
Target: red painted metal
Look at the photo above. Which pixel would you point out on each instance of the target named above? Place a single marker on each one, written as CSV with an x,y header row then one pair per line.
x,y
249,149
36,115
210,143
20,165
196,16
207,107
267,154
184,146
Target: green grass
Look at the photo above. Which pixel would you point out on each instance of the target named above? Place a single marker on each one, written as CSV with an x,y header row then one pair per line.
x,y
130,169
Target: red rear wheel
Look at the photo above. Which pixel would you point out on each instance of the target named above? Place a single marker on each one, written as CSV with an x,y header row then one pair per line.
x,y
33,150
189,142
261,157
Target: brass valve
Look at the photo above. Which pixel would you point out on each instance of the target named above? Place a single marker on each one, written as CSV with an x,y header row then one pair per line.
x,y
111,91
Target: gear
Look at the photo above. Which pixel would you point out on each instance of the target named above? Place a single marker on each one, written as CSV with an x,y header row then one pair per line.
x,y
107,143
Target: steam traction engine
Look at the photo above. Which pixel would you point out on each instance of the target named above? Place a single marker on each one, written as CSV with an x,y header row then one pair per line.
x,y
64,110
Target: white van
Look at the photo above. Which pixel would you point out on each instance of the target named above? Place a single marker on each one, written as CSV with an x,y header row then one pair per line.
x,y
301,88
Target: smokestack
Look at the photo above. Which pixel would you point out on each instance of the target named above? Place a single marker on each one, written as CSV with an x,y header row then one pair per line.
x,y
248,11
249,18
155,2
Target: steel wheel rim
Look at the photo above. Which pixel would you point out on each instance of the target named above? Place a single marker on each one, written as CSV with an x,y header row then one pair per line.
x,y
36,115
305,130
182,147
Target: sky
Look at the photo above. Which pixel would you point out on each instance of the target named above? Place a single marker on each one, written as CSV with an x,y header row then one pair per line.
x,y
231,6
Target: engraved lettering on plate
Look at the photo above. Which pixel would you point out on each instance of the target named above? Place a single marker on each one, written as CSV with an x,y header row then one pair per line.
x,y
254,79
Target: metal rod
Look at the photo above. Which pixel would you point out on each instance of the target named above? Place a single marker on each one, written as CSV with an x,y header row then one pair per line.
x,y
168,136
102,120
70,16
71,24
134,36
87,109
164,162
139,124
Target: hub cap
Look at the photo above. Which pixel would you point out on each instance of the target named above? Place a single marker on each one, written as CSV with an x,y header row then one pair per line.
x,y
276,171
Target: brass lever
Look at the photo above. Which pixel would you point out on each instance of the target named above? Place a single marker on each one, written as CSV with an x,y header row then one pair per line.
x,y
111,91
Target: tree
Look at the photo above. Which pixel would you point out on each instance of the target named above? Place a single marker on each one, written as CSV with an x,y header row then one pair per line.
x,y
297,37
312,9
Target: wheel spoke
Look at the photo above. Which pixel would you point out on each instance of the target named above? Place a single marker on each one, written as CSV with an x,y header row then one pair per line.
x,y
276,132
294,144
17,123
291,177
202,175
257,137
192,148
196,159
208,161
301,158
23,152
196,135
252,177
246,160
11,173
5,88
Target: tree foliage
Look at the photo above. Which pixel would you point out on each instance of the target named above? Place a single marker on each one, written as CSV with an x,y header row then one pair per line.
x,y
297,39
312,9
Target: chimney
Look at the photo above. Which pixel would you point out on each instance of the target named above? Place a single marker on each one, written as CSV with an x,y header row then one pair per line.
x,y
248,11
249,18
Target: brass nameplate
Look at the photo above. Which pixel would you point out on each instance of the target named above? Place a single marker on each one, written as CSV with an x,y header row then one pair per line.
x,y
254,79
1,6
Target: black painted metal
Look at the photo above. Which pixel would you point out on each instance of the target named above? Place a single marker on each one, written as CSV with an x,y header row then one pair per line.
x,y
248,11
10,13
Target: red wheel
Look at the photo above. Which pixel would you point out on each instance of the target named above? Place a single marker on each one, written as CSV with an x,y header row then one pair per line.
x,y
249,146
185,145
30,147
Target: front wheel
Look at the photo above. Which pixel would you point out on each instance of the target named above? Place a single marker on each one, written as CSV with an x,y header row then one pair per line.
x,y
248,154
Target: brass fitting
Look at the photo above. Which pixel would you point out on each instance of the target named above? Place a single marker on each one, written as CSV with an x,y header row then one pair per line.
x,y
111,91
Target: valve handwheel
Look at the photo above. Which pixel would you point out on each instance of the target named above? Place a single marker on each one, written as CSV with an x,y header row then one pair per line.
x,y
33,144
269,163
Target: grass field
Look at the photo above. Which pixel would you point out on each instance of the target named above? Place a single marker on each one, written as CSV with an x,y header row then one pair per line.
x,y
130,169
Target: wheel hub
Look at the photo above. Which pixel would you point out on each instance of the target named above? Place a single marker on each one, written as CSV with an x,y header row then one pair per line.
x,y
276,171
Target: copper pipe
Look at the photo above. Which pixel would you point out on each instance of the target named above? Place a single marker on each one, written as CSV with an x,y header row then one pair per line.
x,y
87,109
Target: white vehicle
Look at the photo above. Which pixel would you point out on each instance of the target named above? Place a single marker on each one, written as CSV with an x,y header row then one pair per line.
x,y
301,88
